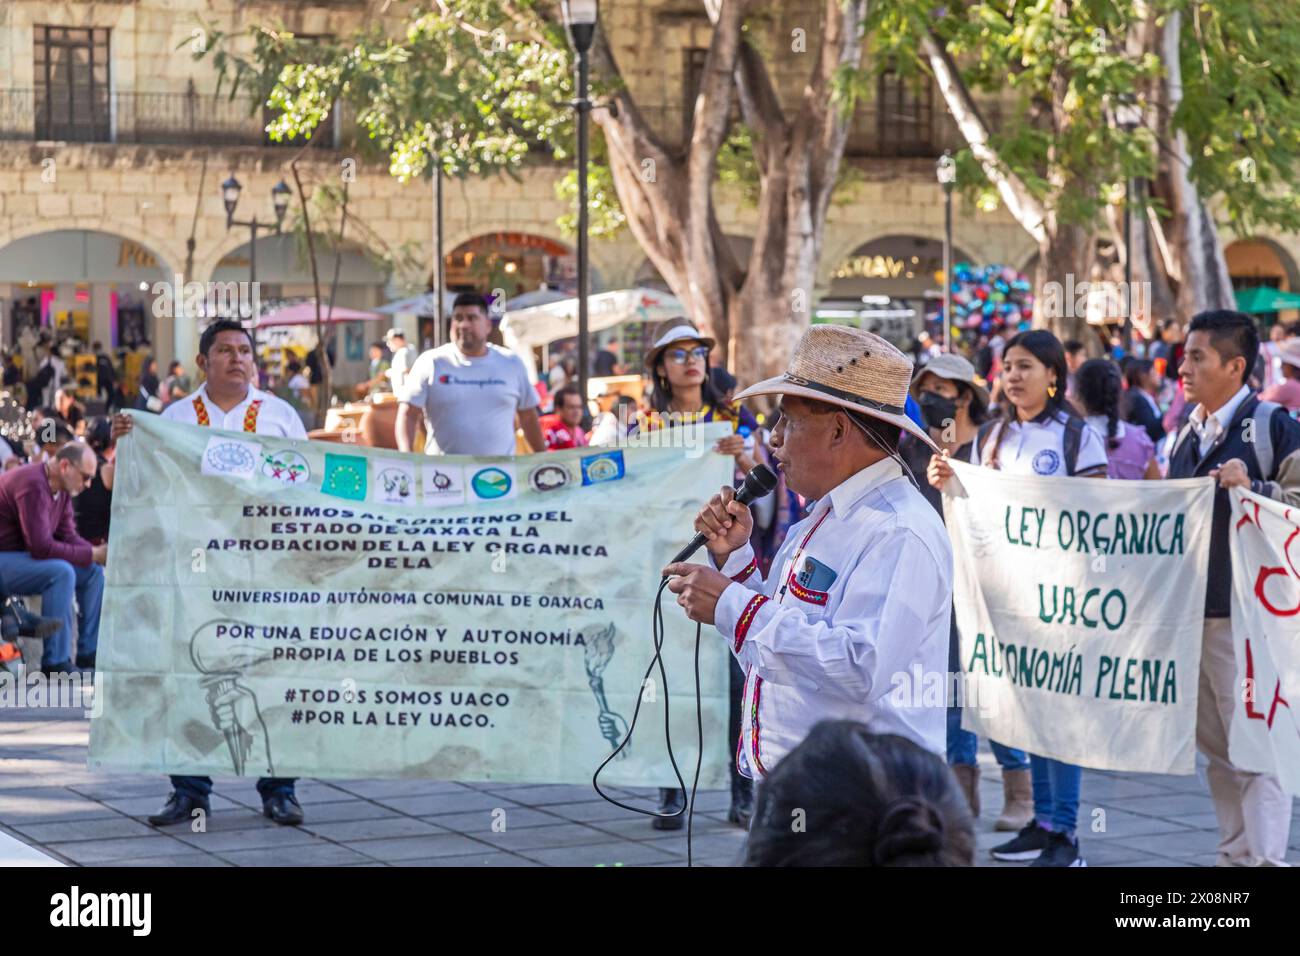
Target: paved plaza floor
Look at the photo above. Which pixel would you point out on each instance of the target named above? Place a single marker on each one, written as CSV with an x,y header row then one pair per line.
x,y
53,810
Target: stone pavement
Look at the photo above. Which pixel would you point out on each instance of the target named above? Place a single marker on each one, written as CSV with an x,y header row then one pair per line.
x,y
50,801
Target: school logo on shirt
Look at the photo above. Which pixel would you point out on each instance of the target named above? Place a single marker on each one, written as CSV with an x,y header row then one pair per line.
x,y
287,467
493,482
1046,462
604,467
395,482
444,485
345,476
549,477
230,457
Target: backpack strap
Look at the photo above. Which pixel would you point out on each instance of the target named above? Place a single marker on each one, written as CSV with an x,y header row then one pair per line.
x,y
982,435
1263,443
1071,440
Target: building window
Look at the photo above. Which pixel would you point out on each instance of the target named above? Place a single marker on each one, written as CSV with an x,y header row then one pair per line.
x,y
904,116
693,79
71,97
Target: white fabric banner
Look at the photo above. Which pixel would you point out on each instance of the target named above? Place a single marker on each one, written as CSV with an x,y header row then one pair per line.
x,y
292,608
1265,732
1080,604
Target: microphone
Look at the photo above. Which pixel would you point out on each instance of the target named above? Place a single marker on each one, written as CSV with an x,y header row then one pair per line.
x,y
759,483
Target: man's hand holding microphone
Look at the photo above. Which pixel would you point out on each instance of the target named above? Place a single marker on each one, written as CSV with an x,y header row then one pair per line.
x,y
723,526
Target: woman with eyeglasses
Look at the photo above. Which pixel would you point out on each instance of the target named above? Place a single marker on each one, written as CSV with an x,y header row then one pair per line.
x,y
686,393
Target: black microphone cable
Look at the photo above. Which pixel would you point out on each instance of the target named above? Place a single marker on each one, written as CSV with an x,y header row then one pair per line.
x,y
759,482
657,630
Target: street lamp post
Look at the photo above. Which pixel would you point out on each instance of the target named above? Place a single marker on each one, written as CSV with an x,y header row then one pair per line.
x,y
1128,117
230,191
580,21
946,172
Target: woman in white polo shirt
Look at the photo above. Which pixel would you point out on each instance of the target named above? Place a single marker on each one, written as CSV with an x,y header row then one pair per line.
x,y
1038,433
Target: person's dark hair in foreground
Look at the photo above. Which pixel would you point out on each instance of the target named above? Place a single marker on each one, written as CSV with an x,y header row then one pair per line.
x,y
848,797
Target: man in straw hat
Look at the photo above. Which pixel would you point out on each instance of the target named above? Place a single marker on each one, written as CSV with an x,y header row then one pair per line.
x,y
853,621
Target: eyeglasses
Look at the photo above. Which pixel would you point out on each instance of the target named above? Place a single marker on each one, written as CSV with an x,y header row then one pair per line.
x,y
682,356
87,478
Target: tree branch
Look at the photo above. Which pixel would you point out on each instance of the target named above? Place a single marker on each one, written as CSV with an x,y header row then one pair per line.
x,y
759,106
841,47
1021,203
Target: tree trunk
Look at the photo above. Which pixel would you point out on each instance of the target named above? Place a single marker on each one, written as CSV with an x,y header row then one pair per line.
x,y
1202,269
758,313
322,396
1064,255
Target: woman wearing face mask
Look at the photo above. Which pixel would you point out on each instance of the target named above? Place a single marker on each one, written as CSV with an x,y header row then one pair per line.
x,y
1038,433
953,405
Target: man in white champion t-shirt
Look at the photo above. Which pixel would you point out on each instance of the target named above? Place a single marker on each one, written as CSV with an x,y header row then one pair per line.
x,y
229,400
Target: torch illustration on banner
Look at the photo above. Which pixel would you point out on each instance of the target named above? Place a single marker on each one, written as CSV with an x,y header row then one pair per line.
x,y
599,650
222,660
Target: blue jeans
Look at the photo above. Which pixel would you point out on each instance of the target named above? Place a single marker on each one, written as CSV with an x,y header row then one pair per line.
x,y
1056,793
200,787
56,581
962,745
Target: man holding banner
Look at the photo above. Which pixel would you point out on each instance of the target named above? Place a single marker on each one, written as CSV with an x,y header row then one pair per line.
x,y
863,592
1247,445
228,399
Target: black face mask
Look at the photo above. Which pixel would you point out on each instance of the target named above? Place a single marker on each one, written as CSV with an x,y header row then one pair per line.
x,y
937,411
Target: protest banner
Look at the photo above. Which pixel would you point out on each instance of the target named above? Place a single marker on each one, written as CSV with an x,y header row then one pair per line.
x,y
1080,604
290,608
1264,735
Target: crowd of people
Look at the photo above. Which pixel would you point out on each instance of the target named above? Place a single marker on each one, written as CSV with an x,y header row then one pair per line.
x,y
862,431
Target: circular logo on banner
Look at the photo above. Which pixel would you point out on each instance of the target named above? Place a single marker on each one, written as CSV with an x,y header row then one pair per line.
x,y
440,481
231,457
1046,462
548,477
602,469
287,467
491,483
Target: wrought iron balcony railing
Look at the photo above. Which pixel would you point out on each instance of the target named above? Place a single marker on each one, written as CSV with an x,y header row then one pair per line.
x,y
172,118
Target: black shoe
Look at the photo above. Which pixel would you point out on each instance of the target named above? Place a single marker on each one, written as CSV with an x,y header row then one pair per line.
x,y
63,668
671,801
283,808
17,621
1062,850
1028,844
86,662
742,803
179,808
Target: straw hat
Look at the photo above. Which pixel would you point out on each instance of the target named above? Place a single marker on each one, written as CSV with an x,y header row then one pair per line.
x,y
956,369
850,368
670,332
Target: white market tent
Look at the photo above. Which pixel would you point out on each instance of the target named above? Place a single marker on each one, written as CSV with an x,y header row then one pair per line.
x,y
526,329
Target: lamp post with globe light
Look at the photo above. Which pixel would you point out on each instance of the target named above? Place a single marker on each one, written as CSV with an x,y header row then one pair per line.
x,y
230,191
1128,117
946,172
580,18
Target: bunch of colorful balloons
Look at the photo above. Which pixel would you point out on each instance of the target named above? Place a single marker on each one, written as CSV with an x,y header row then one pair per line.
x,y
988,298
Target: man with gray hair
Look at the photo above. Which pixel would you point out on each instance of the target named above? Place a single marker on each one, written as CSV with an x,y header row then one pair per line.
x,y
41,552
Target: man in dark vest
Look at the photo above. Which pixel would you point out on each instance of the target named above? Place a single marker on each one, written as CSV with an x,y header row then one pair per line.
x,y
1242,442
